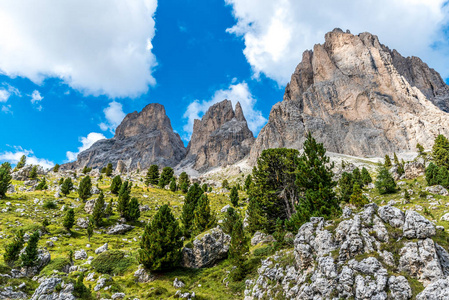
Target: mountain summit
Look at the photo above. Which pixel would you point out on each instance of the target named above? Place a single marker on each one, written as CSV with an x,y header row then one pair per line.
x,y
359,98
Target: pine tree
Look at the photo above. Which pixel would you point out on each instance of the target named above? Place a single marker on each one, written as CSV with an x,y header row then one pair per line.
x,y
395,159
248,181
432,174
173,185
108,170
357,198
420,149
69,219
188,209
443,177
406,195
61,181
203,218
133,210
357,176
387,162
205,187
22,162
30,255
230,218
256,216
225,184
160,247
345,186
385,182
98,212
152,175
84,190
33,173
56,168
237,250
5,178
315,184
440,151
279,234
184,182
184,187
109,212
12,250
166,176
116,184
86,170
67,186
366,177
234,197
90,228
42,185
123,199
79,289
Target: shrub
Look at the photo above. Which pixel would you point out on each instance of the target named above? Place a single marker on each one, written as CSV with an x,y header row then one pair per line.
x,y
58,264
50,205
56,168
33,173
385,182
12,250
112,262
5,178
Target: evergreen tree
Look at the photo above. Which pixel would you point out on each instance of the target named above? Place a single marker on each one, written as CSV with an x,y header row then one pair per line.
x,y
432,174
385,182
395,159
357,176
399,165
12,250
234,197
133,210
86,170
152,175
188,209
203,218
61,181
248,181
440,151
67,186
256,215
345,186
406,195
357,198
366,177
30,255
56,168
184,187
98,212
160,247
420,149
90,228
108,170
22,162
315,184
387,162
123,199
79,289
237,250
184,182
84,190
173,185
108,212
5,178
42,185
69,219
33,173
166,176
205,188
443,177
116,184
225,184
230,218
279,234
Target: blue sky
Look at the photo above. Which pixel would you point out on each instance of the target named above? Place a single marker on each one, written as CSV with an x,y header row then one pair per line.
x,y
67,80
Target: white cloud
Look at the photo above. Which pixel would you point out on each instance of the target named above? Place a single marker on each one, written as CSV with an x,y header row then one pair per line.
x,y
276,32
86,142
36,97
97,47
238,92
114,115
14,157
6,109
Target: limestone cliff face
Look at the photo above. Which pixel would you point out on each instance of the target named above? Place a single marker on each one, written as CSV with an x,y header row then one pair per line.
x,y
220,138
142,139
359,98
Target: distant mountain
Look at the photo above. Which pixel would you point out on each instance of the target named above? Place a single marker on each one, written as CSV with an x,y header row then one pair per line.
x,y
360,98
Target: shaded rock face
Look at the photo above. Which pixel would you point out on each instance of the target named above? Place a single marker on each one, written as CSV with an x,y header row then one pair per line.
x,y
142,139
220,138
357,259
359,98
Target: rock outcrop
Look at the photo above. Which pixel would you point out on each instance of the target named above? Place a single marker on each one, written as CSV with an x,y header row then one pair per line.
x,y
358,98
143,139
47,290
358,258
220,138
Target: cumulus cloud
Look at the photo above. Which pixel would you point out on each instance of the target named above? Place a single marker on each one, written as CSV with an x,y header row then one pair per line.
x,y
36,97
6,109
4,95
114,115
276,32
86,142
13,158
238,92
97,47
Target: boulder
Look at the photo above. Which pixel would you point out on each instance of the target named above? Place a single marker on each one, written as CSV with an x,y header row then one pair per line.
x,y
415,168
101,249
260,237
178,283
47,290
445,217
119,229
121,167
208,248
416,226
392,215
437,189
437,290
80,254
142,276
10,293
82,222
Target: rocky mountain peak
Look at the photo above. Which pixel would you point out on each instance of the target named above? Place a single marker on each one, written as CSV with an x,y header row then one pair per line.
x,y
359,98
220,138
